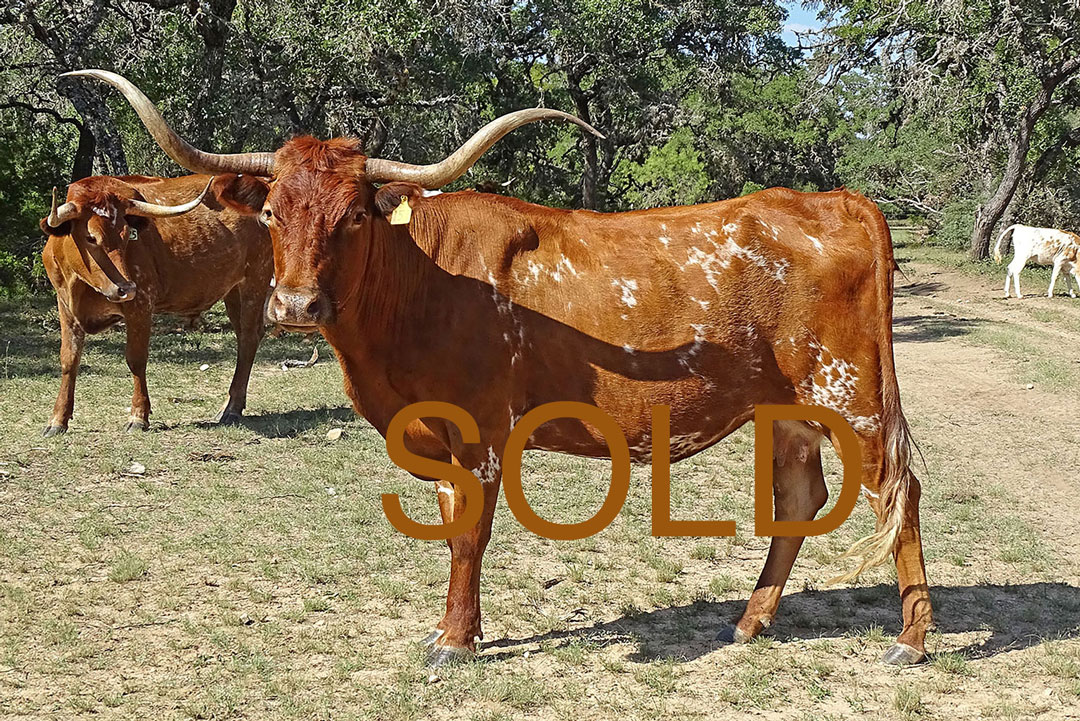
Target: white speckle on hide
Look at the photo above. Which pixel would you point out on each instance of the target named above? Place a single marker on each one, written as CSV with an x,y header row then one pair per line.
x,y
833,386
687,355
730,228
488,471
817,243
628,286
104,212
446,489
430,193
664,240
565,266
629,349
504,305
703,303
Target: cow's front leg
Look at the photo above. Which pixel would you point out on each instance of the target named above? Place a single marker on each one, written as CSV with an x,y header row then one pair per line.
x,y
137,352
456,634
799,492
72,339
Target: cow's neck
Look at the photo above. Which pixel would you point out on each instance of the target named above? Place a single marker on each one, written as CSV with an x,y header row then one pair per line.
x,y
382,290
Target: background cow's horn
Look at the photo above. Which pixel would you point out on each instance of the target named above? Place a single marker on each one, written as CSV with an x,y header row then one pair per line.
x,y
59,216
153,210
454,166
186,155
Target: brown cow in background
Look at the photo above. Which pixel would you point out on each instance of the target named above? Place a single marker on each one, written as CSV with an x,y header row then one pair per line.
x,y
124,248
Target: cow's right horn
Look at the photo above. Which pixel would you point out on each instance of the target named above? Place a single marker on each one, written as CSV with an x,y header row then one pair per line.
x,y
59,216
186,155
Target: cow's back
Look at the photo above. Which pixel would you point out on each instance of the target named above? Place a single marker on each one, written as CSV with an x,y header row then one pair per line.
x,y
200,256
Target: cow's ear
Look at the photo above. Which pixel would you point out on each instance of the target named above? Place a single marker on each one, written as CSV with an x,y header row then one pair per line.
x,y
388,200
243,193
63,229
137,223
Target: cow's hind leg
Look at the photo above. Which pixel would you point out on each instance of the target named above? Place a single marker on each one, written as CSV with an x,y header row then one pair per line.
x,y
1053,279
1014,271
799,492
908,553
244,304
72,339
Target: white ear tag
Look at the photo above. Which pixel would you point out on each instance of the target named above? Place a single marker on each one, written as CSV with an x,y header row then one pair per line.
x,y
133,233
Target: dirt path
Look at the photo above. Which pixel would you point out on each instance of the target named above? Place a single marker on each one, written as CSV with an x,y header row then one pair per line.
x,y
1028,438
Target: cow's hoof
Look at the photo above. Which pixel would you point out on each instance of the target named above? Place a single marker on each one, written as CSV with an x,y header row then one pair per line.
x,y
902,655
440,656
228,419
733,634
136,425
51,431
429,640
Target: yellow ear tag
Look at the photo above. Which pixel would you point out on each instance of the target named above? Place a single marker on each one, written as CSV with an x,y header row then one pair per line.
x,y
402,214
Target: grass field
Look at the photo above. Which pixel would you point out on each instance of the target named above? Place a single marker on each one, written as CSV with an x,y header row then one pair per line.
x,y
248,572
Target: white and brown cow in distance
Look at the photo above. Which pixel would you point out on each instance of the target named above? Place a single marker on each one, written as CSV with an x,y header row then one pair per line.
x,y
1048,246
498,306
125,248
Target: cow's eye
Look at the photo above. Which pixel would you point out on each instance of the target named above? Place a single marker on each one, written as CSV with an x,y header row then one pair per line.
x,y
360,216
266,215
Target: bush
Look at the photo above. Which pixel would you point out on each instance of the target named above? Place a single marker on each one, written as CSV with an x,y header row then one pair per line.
x,y
953,227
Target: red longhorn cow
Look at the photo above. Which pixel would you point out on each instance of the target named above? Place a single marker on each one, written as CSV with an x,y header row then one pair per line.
x,y
121,249
498,306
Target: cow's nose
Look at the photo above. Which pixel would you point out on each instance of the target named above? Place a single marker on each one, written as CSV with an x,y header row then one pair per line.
x,y
298,307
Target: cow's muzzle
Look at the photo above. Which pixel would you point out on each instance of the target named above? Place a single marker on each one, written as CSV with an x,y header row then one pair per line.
x,y
298,309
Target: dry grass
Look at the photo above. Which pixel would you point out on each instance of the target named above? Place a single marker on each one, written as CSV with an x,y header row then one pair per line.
x,y
249,572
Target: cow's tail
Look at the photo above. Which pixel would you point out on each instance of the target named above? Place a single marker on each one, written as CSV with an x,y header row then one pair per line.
x,y
997,245
896,475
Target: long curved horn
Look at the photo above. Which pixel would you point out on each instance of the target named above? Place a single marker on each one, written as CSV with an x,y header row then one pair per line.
x,y
185,155
153,210
454,166
59,216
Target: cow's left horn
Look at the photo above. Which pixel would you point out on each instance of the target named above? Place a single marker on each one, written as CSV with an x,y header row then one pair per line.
x,y
454,166
153,210
59,216
180,150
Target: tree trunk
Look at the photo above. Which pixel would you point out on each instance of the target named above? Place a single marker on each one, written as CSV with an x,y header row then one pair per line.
x,y
989,213
96,119
589,189
83,165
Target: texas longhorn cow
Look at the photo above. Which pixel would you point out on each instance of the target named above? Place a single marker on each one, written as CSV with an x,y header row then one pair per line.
x,y
121,249
499,306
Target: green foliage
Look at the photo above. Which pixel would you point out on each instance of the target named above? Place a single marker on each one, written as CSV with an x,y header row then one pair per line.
x,y
914,103
672,174
954,228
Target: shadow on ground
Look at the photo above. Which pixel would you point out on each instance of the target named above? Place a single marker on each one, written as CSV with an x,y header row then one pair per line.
x,y
1016,617
930,328
289,424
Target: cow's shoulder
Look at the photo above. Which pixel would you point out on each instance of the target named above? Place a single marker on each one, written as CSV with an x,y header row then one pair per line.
x,y
469,232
